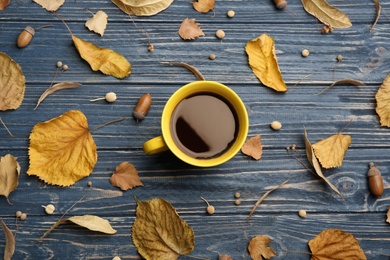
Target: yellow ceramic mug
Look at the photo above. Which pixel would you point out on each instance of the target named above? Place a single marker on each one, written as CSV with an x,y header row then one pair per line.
x,y
166,140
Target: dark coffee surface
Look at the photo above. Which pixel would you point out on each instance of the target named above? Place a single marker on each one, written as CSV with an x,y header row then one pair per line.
x,y
203,126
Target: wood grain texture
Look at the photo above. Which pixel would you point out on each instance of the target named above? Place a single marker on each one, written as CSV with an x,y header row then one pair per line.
x,y
366,58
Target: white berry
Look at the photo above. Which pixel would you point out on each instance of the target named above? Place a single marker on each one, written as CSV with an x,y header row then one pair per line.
x,y
276,125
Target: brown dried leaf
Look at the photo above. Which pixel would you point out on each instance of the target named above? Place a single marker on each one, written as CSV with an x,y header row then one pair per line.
x,y
4,4
204,6
388,216
262,60
12,83
56,87
327,14
142,7
190,30
125,177
224,257
50,5
383,102
253,147
258,248
62,150
330,151
159,233
264,197
9,174
9,242
378,8
316,165
335,244
106,60
344,81
97,23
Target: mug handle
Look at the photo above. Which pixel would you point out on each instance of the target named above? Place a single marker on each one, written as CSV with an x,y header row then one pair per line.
x,y
155,145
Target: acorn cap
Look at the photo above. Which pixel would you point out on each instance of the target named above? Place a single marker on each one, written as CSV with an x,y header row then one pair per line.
x,y
30,30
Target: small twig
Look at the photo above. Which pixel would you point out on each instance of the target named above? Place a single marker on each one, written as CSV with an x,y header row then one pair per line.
x,y
109,122
194,70
6,128
343,81
150,46
303,79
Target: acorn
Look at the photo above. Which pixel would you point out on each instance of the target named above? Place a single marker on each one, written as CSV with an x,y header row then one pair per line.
x,y
280,4
25,37
375,181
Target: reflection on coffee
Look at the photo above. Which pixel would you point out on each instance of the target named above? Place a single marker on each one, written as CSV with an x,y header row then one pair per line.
x,y
203,126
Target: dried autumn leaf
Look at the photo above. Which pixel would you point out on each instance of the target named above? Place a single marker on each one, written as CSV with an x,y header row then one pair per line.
x,y
190,30
106,60
9,174
143,7
62,150
224,257
9,242
4,4
378,8
125,177
335,244
316,165
204,6
327,14
50,5
90,222
12,83
97,23
330,151
159,233
258,248
383,102
253,147
262,60
344,81
388,216
56,87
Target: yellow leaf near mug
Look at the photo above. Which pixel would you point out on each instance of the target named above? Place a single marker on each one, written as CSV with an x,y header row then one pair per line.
x,y
62,150
262,60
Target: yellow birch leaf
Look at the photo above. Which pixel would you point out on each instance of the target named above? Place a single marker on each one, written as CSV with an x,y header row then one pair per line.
x,y
142,7
9,174
327,14
258,248
330,151
262,60
335,244
12,83
93,223
97,23
62,150
383,102
159,233
106,60
316,165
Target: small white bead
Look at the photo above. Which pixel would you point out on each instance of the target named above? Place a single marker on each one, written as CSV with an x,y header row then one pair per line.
x,y
302,213
220,34
305,53
110,97
230,14
276,125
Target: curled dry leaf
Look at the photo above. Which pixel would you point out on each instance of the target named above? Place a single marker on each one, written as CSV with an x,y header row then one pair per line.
x,y
9,242
327,14
378,8
9,175
194,70
344,81
316,165
90,222
56,87
383,102
106,60
258,248
203,6
125,177
143,7
189,29
253,147
97,23
62,150
224,257
50,5
12,83
388,216
335,244
4,4
262,60
330,151
159,233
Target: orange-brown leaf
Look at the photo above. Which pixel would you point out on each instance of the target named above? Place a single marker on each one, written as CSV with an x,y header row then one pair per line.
x,y
9,242
224,257
4,4
204,6
383,102
189,29
62,150
9,174
125,177
258,248
335,244
253,147
388,216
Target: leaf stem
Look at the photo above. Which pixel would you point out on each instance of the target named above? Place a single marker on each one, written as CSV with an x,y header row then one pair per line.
x,y
6,128
109,122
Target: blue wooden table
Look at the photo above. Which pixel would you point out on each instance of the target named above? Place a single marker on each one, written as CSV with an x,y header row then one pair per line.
x,y
365,58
